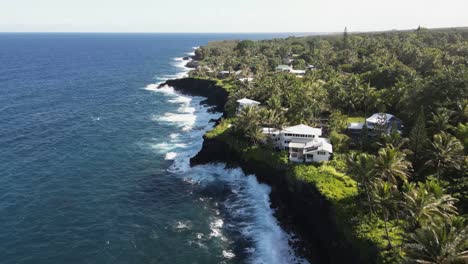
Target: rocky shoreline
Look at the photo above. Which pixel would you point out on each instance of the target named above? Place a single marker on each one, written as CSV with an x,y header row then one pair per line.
x,y
301,210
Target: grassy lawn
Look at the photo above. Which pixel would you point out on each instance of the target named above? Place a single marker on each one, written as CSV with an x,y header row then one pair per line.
x,y
356,119
225,84
220,129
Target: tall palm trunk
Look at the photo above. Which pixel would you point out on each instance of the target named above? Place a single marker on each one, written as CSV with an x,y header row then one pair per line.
x,y
369,200
386,230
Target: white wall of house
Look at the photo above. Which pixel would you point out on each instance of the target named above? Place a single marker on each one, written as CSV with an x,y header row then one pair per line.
x,y
295,139
318,156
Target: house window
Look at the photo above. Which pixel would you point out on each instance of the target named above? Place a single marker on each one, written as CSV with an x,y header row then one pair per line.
x,y
321,153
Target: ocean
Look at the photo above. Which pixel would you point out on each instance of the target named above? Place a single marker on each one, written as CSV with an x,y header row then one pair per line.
x,y
94,160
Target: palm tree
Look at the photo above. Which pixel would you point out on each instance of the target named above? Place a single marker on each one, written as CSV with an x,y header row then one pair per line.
x,y
443,244
274,102
440,121
425,207
446,152
393,139
246,120
361,168
255,134
461,111
391,165
385,199
269,118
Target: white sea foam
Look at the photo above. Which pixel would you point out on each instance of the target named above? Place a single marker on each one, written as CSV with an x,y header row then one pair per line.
x,y
215,227
250,202
166,147
228,254
180,100
174,136
152,87
170,155
183,225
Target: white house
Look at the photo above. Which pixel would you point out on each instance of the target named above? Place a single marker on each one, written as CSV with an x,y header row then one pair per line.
x,y
387,121
299,133
303,143
245,102
377,121
298,73
284,68
246,79
224,74
316,150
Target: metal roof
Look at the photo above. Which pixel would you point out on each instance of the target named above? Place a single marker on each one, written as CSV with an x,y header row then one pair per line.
x,y
303,130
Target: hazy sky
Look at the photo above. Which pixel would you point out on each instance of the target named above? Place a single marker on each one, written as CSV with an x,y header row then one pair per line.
x,y
228,16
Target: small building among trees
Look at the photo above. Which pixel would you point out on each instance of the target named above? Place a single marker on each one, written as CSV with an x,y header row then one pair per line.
x,y
245,102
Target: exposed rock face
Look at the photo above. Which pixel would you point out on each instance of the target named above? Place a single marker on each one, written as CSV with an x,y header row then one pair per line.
x,y
301,208
215,96
192,64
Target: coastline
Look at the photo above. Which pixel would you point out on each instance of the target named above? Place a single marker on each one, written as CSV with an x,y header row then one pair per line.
x,y
215,99
304,212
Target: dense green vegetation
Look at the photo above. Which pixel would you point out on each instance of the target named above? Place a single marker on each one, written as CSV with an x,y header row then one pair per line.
x,y
405,194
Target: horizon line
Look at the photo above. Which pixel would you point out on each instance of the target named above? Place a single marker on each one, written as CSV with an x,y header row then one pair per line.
x,y
227,32
164,32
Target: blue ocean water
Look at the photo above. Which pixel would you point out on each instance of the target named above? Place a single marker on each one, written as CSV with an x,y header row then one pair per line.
x,y
94,160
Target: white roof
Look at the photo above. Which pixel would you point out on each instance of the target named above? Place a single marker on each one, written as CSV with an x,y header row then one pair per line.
x,y
326,147
355,125
303,130
248,79
322,144
246,101
375,118
270,130
284,67
319,144
298,71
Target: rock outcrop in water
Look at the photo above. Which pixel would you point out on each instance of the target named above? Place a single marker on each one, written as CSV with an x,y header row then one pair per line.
x,y
192,64
305,212
215,96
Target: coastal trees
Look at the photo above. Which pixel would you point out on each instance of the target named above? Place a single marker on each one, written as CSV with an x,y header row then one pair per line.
x,y
440,121
385,199
361,168
446,152
420,76
425,205
418,139
441,244
247,125
391,165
